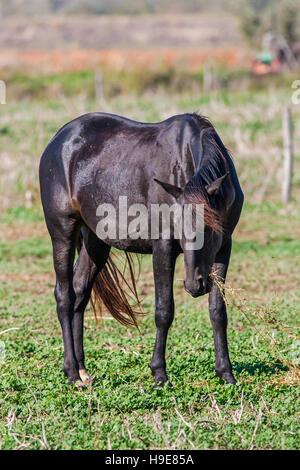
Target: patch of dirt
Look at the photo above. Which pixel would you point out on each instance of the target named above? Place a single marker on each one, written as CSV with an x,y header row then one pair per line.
x,y
265,237
17,231
37,283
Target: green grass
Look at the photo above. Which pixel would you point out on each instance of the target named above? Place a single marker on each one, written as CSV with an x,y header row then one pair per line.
x,y
22,214
39,410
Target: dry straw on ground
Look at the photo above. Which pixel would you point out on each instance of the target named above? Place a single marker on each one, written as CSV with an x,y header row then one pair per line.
x,y
266,318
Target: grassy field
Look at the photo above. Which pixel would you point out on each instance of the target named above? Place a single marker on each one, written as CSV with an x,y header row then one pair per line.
x,y
38,410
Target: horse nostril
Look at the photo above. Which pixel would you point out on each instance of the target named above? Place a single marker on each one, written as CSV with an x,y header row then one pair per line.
x,y
201,284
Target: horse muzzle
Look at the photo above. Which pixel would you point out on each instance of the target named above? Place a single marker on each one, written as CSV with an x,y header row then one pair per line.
x,y
197,287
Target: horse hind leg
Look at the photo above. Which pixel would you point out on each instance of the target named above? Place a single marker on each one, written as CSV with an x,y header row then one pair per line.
x,y
92,257
64,233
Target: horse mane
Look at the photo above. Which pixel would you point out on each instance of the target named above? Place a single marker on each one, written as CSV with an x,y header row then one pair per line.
x,y
212,165
196,195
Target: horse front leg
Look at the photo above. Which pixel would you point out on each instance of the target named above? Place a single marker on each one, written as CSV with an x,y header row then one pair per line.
x,y
218,317
164,259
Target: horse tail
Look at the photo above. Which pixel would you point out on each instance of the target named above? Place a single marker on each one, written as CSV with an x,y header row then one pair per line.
x,y
113,291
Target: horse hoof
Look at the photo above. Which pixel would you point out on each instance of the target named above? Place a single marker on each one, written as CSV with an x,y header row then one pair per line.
x,y
227,377
77,383
80,384
85,377
160,382
230,380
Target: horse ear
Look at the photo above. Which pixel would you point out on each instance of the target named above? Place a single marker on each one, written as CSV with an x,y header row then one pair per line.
x,y
170,188
215,186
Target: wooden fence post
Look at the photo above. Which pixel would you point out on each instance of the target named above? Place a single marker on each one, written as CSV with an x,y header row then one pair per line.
x,y
98,85
207,78
286,188
2,92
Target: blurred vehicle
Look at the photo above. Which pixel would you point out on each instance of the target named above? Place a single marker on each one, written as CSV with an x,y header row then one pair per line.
x,y
276,55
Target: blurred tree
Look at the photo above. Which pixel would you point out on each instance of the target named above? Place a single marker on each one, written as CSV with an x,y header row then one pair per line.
x,y
256,16
288,20
259,16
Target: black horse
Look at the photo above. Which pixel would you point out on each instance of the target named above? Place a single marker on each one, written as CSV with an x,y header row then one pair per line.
x,y
98,157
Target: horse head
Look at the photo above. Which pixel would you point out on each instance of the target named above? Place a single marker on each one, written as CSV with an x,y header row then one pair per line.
x,y
199,257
